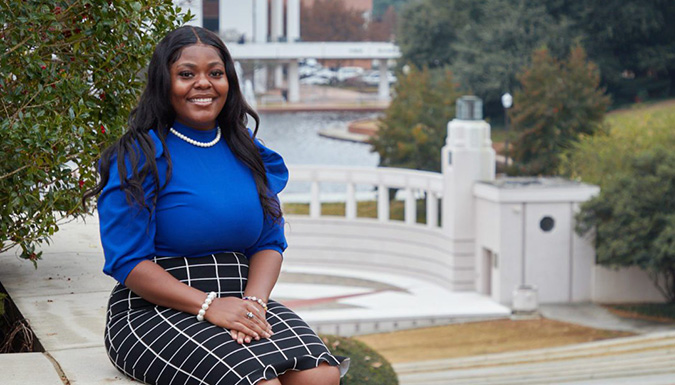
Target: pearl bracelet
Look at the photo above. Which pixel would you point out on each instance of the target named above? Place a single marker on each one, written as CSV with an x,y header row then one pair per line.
x,y
205,306
256,299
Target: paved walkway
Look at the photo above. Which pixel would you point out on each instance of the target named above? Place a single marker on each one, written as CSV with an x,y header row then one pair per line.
x,y
64,300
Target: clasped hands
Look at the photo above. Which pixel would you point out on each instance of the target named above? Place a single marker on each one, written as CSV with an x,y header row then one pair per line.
x,y
233,313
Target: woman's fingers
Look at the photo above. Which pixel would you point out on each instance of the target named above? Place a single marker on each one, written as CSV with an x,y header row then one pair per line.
x,y
241,337
244,320
258,322
245,333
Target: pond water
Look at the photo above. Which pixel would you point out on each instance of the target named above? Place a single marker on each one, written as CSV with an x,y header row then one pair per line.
x,y
296,137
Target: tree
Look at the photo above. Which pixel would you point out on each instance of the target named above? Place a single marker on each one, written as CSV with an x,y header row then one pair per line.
x,y
428,28
330,20
380,7
413,129
384,27
634,219
485,42
491,49
69,75
558,102
632,41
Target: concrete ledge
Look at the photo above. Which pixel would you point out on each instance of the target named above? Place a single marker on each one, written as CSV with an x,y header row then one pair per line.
x,y
28,368
89,366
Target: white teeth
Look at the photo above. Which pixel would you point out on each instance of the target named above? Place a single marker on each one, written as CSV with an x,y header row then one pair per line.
x,y
202,100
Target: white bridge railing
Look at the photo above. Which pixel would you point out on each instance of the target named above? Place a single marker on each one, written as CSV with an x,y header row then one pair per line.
x,y
412,184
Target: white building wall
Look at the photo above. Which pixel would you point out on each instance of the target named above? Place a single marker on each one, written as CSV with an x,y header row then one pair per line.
x,y
557,262
487,241
293,20
236,18
261,28
392,247
583,261
623,285
547,254
511,252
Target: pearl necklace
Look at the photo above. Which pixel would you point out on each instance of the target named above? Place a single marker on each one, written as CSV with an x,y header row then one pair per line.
x,y
194,142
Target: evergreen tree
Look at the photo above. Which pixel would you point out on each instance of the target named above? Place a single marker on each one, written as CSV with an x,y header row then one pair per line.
x,y
632,41
491,49
486,42
558,102
413,129
634,218
428,29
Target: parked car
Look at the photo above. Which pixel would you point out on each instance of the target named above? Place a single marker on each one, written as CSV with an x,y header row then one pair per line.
x,y
345,73
315,80
310,63
305,71
328,74
373,78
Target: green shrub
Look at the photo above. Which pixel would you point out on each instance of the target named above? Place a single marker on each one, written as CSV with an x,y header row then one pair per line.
x,y
633,218
367,367
69,75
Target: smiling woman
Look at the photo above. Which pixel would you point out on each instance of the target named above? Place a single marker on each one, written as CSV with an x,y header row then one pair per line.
x,y
192,230
199,86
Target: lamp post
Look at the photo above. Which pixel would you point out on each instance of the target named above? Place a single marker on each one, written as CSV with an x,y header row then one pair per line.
x,y
507,102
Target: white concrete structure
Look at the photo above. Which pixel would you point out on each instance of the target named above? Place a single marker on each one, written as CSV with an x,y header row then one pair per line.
x,y
467,157
376,244
526,237
495,235
623,285
279,46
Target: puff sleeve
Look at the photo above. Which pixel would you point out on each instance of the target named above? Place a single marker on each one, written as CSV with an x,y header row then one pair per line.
x,y
272,236
127,231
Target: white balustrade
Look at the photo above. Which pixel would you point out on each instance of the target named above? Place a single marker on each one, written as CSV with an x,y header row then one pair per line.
x,y
413,183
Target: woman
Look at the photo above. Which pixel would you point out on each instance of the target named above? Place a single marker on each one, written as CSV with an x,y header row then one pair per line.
x,y
192,229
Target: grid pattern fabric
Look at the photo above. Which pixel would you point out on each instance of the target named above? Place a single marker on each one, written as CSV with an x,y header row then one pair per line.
x,y
159,345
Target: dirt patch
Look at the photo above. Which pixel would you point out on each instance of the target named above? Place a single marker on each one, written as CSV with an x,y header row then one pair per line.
x,y
16,336
469,339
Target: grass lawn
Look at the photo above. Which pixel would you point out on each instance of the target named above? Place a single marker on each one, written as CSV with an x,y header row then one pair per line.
x,y
475,338
364,209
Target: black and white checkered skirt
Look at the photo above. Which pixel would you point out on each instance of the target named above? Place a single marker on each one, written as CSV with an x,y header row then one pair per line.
x,y
158,345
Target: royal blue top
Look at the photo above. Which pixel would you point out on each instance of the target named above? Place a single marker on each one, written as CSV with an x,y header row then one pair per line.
x,y
210,205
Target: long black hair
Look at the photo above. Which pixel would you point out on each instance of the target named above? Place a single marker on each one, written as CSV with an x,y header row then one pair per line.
x,y
154,111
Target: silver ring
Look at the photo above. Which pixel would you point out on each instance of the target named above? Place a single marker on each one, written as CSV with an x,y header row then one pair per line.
x,y
249,315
